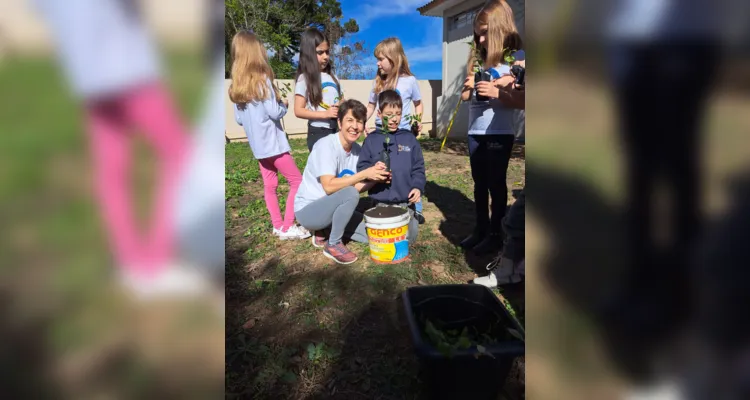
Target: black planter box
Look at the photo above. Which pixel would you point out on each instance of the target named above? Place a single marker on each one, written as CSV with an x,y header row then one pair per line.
x,y
463,375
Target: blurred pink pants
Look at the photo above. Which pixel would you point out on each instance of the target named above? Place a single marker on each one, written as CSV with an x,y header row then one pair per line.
x,y
112,125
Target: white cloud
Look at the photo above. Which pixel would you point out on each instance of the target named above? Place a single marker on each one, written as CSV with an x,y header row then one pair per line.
x,y
424,54
370,12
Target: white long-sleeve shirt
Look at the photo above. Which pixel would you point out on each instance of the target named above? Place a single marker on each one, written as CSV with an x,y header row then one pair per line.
x,y
665,19
262,124
103,45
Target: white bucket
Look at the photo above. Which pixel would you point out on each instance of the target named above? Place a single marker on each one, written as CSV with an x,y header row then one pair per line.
x,y
388,237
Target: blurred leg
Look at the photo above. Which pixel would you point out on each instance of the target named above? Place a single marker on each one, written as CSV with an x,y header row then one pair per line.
x,y
111,155
151,109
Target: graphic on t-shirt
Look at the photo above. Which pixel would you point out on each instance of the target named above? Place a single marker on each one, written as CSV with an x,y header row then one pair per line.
x,y
346,172
327,87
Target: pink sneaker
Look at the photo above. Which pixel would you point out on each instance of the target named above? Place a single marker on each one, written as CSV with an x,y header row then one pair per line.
x,y
339,253
318,239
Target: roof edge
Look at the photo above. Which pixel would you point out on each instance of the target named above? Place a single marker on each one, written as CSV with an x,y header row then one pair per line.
x,y
429,6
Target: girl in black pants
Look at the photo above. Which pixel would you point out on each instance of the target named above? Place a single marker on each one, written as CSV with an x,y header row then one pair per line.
x,y
491,131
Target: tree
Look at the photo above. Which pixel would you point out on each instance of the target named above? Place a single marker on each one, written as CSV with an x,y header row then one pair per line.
x,y
279,24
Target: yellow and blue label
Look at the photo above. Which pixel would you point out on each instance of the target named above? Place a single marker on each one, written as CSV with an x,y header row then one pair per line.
x,y
388,245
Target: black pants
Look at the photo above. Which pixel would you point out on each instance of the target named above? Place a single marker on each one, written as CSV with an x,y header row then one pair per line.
x,y
489,157
661,96
315,133
514,227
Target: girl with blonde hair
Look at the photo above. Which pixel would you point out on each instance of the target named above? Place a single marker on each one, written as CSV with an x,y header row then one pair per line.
x,y
259,110
394,74
497,44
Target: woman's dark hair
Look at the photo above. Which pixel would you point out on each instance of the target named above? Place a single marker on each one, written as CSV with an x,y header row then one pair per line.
x,y
390,98
309,67
359,111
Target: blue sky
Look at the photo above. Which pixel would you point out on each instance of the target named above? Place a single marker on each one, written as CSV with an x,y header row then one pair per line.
x,y
421,36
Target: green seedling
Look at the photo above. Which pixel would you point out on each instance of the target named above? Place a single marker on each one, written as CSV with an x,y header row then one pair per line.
x,y
285,90
447,342
414,120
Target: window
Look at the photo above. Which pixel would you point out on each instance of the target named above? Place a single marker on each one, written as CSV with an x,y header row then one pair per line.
x,y
464,19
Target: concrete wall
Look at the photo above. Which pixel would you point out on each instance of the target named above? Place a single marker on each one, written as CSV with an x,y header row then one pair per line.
x,y
174,22
353,89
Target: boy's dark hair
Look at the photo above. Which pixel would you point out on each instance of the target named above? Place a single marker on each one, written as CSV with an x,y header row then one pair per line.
x,y
359,111
390,98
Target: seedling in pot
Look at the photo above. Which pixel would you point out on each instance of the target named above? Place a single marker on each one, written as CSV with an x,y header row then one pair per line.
x,y
414,120
285,90
385,157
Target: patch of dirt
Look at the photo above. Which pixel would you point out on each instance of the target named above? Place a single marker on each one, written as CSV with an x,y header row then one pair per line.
x,y
437,268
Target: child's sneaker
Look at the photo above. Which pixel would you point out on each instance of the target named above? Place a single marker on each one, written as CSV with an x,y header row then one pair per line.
x,y
301,231
318,239
503,271
292,233
339,253
419,217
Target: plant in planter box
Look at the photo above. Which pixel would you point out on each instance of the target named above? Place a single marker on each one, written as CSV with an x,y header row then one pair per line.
x,y
447,341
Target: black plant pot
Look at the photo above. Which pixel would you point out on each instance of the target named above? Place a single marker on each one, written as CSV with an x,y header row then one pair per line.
x,y
462,375
385,157
415,129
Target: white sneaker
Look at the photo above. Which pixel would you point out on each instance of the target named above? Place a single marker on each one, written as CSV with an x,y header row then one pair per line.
x,y
489,281
504,273
303,232
173,281
292,233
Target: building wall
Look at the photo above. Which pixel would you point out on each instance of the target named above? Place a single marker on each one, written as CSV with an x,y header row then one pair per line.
x,y
353,89
455,56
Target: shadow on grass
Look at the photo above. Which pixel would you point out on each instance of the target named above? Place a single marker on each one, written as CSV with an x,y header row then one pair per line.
x,y
589,263
25,356
361,348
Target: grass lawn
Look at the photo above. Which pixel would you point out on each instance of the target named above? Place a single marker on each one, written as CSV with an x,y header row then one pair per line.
x,y
300,325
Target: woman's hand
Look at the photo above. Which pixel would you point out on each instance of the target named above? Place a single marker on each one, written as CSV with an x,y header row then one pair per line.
x,y
377,173
488,89
414,196
285,102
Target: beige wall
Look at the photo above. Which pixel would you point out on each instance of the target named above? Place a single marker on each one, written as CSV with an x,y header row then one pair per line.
x,y
353,89
175,22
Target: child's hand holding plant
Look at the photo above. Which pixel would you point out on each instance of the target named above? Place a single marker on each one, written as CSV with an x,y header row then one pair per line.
x,y
492,89
415,121
284,92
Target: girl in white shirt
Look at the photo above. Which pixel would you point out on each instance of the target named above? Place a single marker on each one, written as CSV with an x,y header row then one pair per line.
x,y
317,91
491,126
258,109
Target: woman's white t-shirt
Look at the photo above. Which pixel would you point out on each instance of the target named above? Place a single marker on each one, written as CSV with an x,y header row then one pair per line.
x,y
328,157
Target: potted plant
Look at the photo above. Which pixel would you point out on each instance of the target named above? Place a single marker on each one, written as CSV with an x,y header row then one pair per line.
x,y
465,339
414,120
385,156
